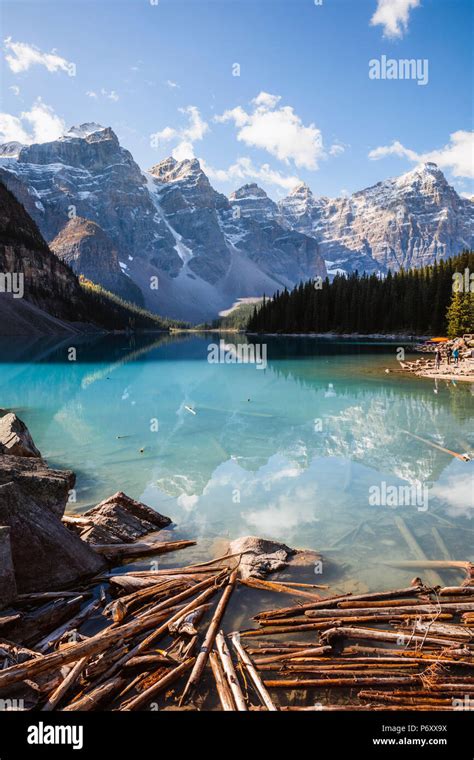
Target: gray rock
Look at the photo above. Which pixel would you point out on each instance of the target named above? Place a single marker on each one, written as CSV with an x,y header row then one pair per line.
x,y
8,589
15,438
47,487
120,519
260,556
45,554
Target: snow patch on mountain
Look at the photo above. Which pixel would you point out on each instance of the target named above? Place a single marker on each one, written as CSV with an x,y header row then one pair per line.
x,y
83,130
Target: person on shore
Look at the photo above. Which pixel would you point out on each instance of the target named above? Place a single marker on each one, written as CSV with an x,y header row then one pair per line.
x,y
449,353
456,356
437,358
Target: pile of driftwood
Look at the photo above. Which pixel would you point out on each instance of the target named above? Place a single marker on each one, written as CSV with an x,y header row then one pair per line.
x,y
406,649
155,640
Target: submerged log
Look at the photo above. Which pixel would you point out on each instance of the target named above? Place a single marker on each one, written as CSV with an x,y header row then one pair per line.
x,y
436,564
433,577
272,586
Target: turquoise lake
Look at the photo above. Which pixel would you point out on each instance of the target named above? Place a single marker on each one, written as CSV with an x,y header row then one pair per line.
x,y
292,452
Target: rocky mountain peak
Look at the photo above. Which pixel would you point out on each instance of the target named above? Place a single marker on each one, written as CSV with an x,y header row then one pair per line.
x,y
171,170
301,191
423,175
253,201
85,130
91,150
184,184
248,190
163,169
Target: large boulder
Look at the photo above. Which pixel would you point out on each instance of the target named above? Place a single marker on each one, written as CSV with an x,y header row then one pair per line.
x,y
8,589
260,556
119,519
45,554
47,487
15,437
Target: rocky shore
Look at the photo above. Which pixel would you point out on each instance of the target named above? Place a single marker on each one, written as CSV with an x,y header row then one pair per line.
x,y
79,630
447,370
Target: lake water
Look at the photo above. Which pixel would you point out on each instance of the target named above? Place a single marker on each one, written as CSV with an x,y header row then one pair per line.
x,y
297,452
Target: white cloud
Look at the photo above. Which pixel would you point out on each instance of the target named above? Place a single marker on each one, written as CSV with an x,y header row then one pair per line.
x,y
395,149
264,100
393,16
187,501
337,149
244,169
185,136
278,130
103,93
21,56
39,124
197,127
172,85
184,150
111,95
457,155
15,89
11,129
284,515
457,493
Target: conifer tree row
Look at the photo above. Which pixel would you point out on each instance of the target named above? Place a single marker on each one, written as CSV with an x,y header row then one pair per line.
x,y
414,302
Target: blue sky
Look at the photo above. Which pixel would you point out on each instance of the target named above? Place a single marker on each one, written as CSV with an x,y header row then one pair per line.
x,y
303,107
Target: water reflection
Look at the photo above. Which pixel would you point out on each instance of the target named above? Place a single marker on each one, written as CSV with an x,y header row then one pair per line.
x,y
290,452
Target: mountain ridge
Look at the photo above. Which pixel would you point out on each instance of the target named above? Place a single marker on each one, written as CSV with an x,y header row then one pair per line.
x,y
204,250
51,300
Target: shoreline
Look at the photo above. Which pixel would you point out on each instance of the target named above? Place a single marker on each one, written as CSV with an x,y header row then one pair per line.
x,y
349,336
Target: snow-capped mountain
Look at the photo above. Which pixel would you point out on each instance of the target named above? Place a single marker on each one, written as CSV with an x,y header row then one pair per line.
x,y
407,221
187,247
167,239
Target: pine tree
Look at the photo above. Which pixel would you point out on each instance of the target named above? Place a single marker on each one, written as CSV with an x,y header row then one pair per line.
x,y
460,314
418,301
